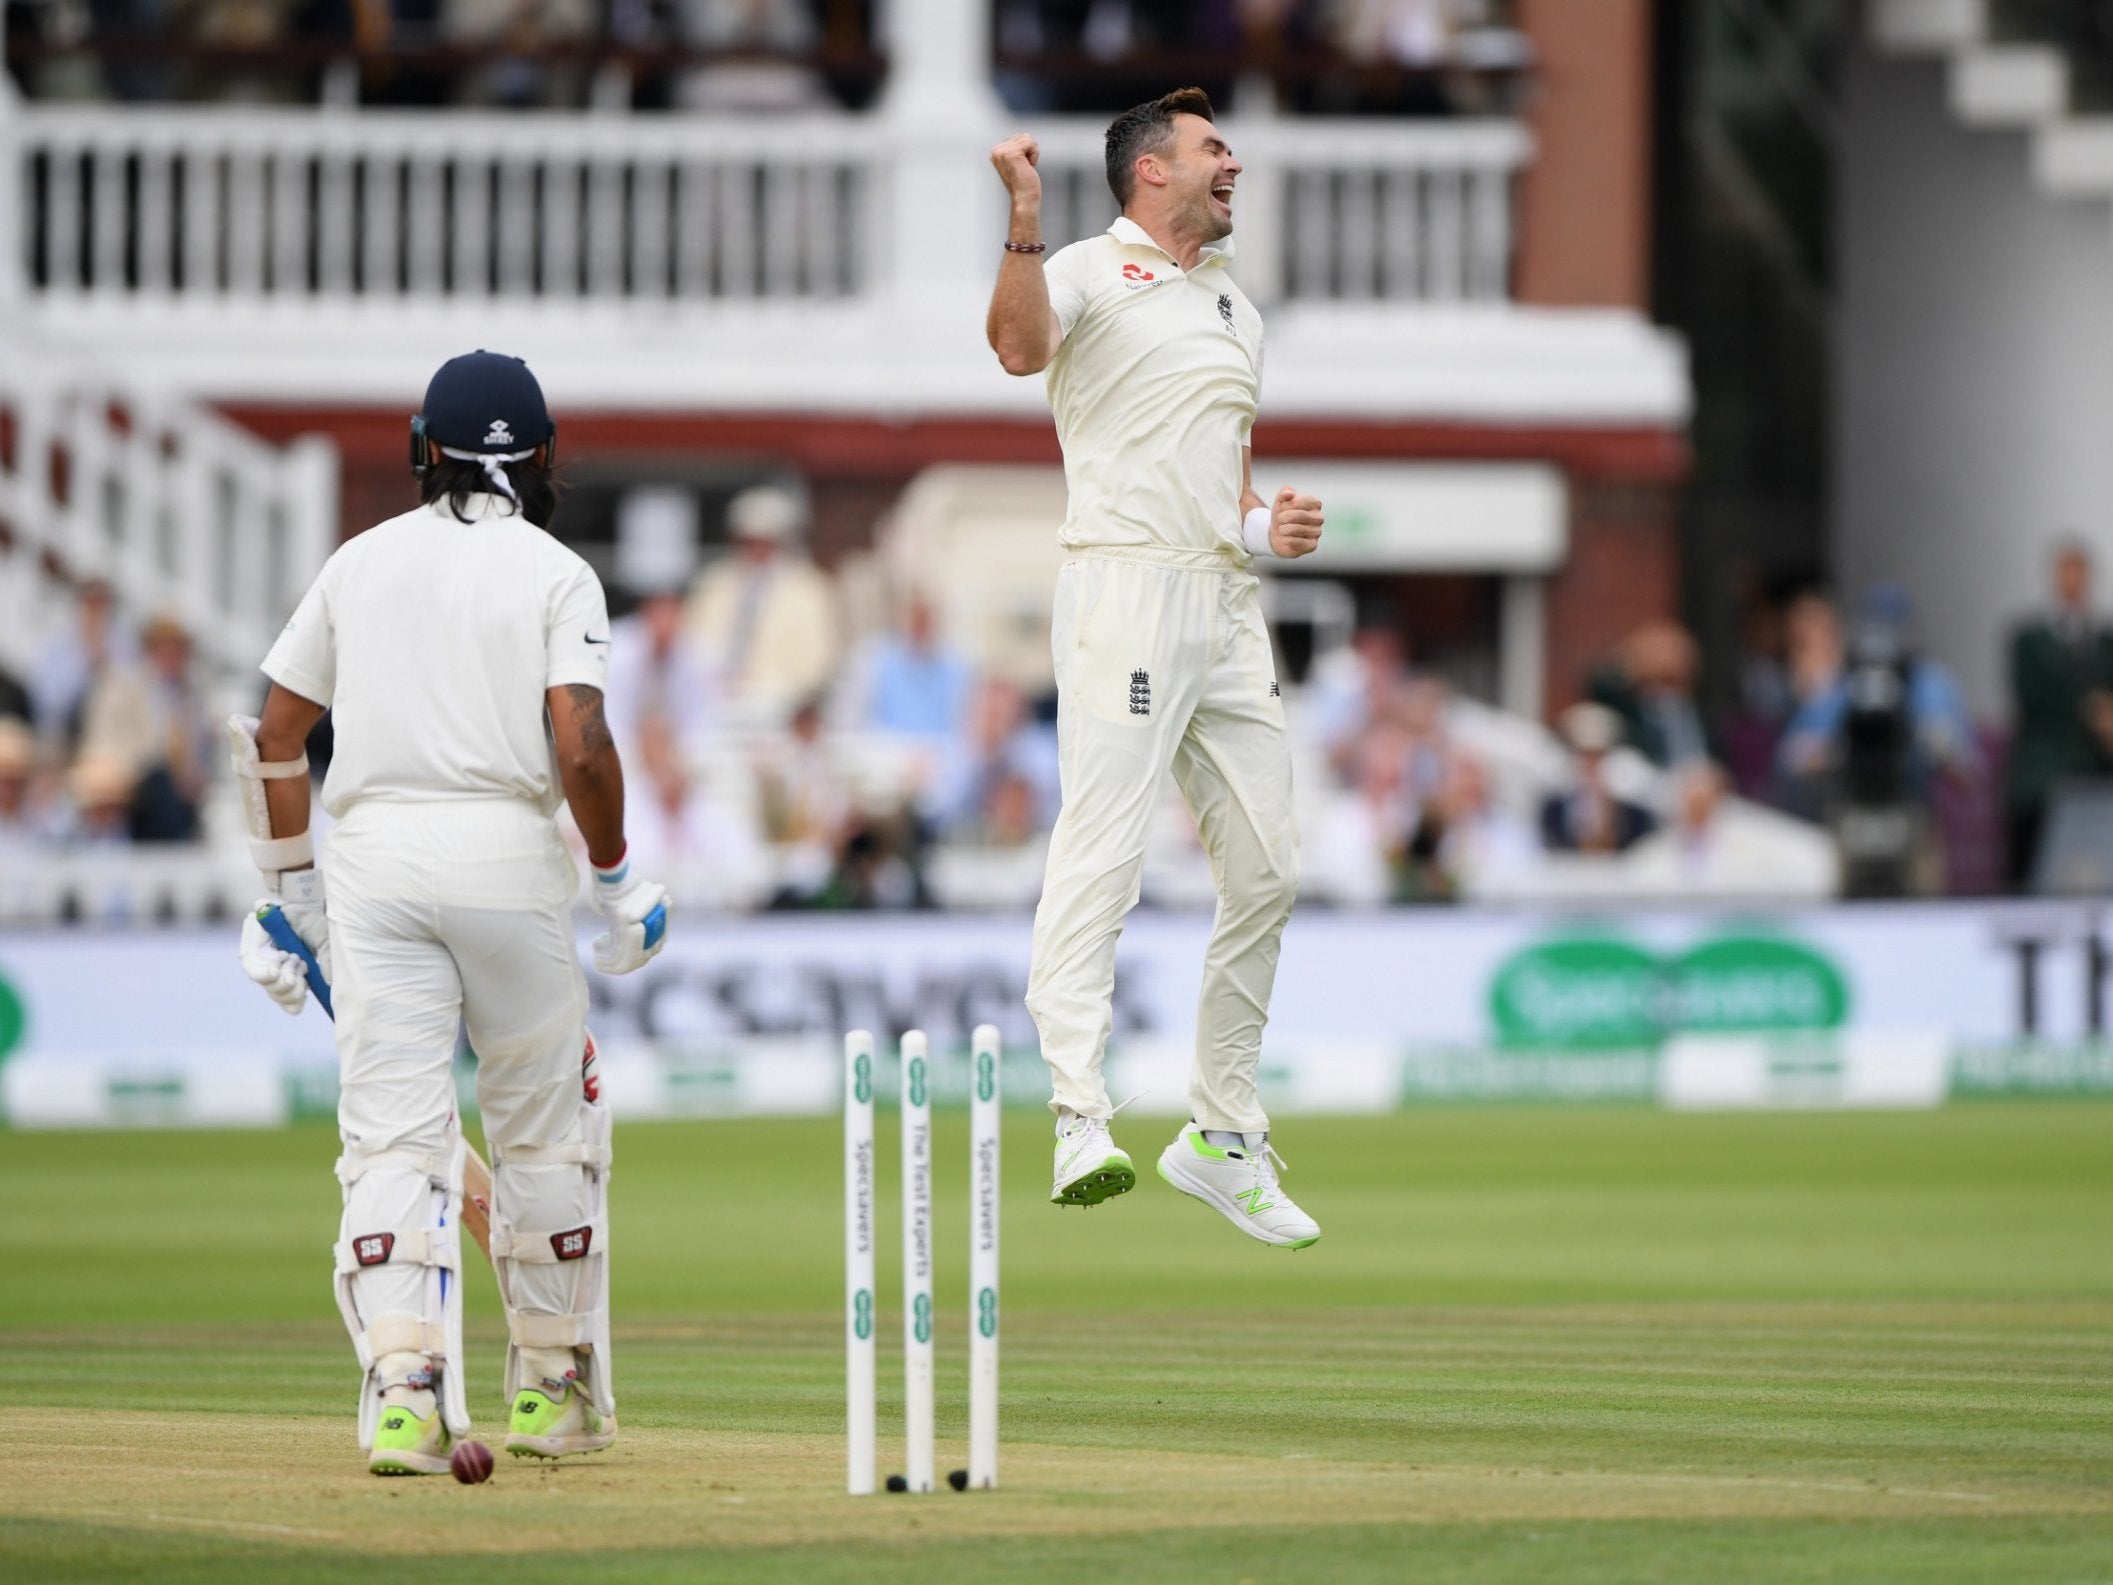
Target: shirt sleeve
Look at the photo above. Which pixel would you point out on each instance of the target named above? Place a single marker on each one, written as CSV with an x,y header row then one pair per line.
x,y
303,659
578,638
1067,286
1247,429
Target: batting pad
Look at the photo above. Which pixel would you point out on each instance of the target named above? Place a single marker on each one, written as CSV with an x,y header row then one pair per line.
x,y
550,1249
399,1270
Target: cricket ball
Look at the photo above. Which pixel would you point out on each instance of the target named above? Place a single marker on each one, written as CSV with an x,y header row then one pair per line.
x,y
471,1462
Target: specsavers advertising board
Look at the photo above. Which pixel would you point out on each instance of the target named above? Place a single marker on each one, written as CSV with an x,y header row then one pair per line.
x,y
1866,1005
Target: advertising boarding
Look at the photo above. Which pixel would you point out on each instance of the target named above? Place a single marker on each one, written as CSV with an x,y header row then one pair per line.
x,y
1869,1005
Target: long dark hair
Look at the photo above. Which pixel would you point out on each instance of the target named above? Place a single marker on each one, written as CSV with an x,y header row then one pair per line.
x,y
536,487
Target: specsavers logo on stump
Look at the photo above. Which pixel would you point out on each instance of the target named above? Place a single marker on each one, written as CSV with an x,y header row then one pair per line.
x,y
1599,992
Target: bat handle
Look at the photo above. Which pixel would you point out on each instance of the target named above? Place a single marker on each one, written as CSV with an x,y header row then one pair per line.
x,y
287,939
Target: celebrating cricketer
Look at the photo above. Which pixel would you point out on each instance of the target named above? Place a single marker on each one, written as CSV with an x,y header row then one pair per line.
x,y
1163,661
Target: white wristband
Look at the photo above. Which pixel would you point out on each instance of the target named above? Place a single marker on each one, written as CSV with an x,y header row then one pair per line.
x,y
1254,532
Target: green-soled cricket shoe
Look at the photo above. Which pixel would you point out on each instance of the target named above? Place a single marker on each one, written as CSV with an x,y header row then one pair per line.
x,y
1090,1167
1239,1181
555,1419
409,1444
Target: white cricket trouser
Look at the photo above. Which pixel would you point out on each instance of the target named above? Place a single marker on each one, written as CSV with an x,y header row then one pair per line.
x,y
1162,665
439,912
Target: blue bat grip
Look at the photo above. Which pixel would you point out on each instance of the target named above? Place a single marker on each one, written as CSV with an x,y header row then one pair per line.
x,y
287,939
656,924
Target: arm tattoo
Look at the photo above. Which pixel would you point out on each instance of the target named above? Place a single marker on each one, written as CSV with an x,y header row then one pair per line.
x,y
588,718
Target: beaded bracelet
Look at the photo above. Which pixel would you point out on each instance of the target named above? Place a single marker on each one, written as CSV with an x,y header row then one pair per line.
x,y
1026,247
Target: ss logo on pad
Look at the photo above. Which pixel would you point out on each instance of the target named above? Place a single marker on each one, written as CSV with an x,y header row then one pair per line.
x,y
572,1245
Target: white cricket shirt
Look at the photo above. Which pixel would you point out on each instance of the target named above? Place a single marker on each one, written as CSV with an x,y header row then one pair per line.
x,y
433,640
1154,391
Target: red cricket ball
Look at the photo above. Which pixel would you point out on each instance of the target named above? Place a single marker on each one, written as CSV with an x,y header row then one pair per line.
x,y
471,1462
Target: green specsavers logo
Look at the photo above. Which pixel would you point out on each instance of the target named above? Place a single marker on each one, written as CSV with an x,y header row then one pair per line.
x,y
1599,992
13,1019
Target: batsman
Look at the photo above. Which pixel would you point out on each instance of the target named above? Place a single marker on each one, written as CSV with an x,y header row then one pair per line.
x,y
463,652
1163,662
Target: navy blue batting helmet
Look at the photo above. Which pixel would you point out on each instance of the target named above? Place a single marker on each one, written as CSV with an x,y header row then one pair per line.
x,y
482,403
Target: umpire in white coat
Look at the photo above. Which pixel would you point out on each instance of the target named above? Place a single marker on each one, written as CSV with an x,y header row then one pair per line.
x,y
1163,661
463,652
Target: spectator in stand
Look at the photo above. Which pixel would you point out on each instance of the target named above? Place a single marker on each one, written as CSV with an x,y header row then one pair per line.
x,y
14,698
658,683
1352,689
832,853
524,43
25,825
1358,851
1591,817
708,855
1841,686
153,718
1465,842
998,787
765,617
1716,847
909,683
1419,47
2061,696
1649,681
99,795
68,668
785,27
22,818
240,28
1812,649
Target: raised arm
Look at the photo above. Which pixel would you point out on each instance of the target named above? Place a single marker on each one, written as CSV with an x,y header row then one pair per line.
x,y
1022,328
588,769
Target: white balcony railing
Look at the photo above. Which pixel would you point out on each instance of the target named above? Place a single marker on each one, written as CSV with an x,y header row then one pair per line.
x,y
232,207
103,475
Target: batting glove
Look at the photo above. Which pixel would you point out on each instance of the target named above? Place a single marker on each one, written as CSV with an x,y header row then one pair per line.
x,y
637,911
282,974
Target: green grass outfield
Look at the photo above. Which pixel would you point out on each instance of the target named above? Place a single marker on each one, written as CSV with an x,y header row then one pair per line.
x,y
1567,1345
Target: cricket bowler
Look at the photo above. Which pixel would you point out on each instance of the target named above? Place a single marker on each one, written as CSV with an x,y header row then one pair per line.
x,y
1163,662
464,653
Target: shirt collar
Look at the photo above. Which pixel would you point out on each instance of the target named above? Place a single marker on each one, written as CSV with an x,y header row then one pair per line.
x,y
1129,232
481,506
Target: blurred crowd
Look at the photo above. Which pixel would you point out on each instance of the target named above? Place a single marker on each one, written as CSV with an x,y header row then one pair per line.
x,y
1393,57
110,740
784,753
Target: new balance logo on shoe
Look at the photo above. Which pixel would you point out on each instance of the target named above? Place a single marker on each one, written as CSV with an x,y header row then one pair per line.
x,y
1252,1199
1140,693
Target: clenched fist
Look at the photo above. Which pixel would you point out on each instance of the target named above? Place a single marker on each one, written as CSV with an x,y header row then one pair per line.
x,y
1294,523
1015,161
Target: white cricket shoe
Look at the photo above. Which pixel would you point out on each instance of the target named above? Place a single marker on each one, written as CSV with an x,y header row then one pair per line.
x,y
1241,1182
554,1418
1090,1167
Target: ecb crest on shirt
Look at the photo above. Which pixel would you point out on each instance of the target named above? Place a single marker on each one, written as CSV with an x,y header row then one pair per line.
x,y
1225,311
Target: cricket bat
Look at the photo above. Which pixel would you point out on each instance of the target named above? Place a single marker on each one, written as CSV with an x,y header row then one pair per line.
x,y
476,1176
